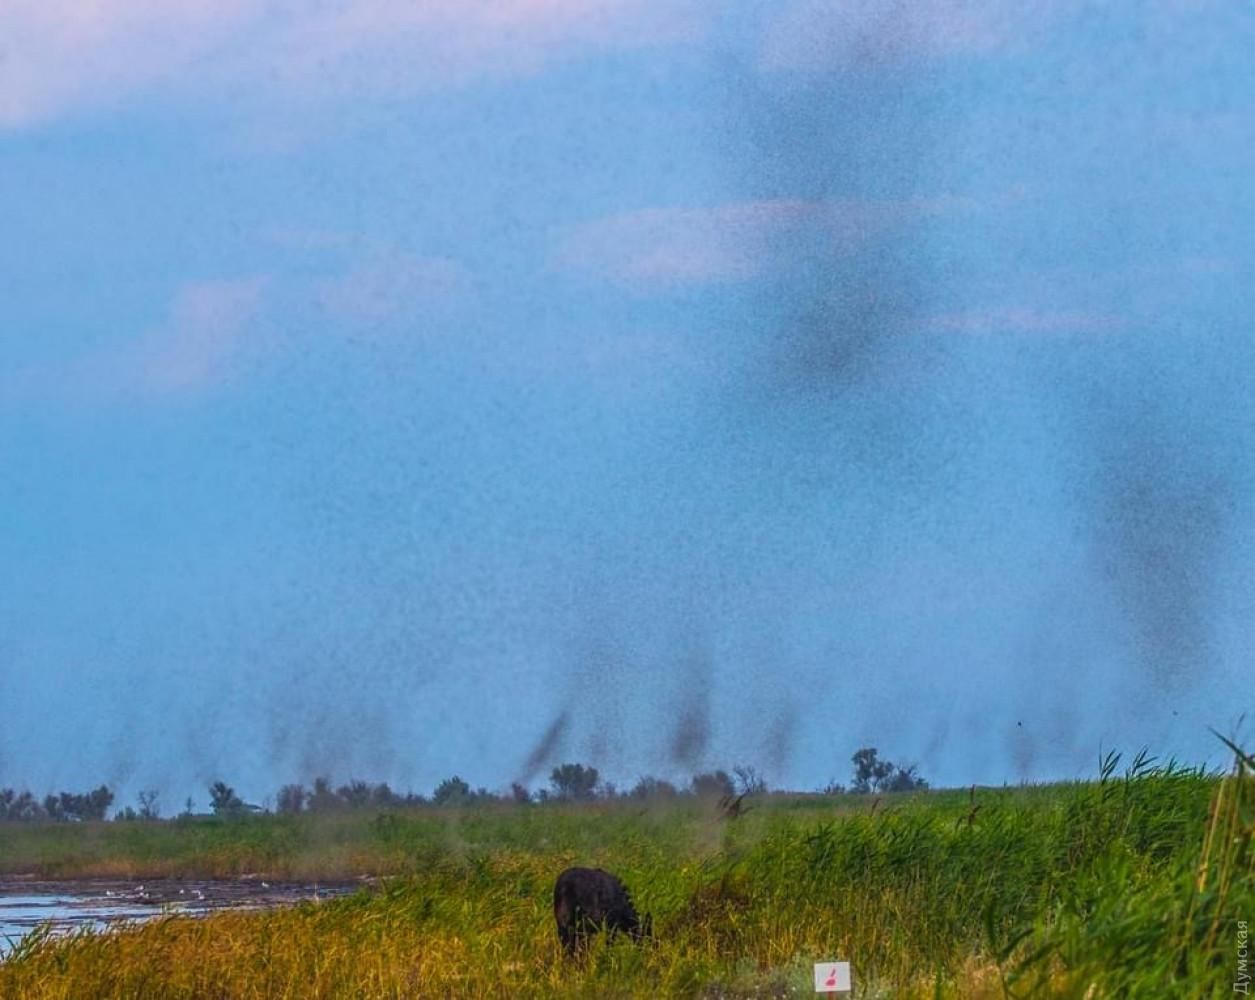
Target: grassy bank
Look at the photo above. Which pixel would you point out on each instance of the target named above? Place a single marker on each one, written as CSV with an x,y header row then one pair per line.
x,y
388,842
1129,886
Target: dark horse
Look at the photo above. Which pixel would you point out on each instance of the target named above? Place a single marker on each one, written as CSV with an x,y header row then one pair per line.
x,y
587,900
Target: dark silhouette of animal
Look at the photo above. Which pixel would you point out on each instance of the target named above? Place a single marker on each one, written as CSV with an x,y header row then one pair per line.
x,y
588,900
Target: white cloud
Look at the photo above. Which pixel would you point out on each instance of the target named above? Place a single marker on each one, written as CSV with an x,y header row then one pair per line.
x,y
58,56
209,324
664,247
210,331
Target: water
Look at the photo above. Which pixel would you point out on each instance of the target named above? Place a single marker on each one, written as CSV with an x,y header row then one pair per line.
x,y
20,914
98,905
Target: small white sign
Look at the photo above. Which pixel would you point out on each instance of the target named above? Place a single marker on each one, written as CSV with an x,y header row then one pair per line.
x,y
832,977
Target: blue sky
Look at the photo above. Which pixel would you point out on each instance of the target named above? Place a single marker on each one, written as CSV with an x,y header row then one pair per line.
x,y
383,383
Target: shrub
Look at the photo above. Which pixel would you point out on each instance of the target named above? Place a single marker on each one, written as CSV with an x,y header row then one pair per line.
x,y
714,785
223,800
291,799
451,792
574,782
650,787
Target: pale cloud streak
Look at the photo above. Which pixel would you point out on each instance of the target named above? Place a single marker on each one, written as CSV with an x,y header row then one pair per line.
x,y
216,332
1021,319
212,328
393,46
392,286
62,56
206,335
659,248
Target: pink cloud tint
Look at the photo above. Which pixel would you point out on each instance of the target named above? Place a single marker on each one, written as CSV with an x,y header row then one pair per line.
x,y
61,56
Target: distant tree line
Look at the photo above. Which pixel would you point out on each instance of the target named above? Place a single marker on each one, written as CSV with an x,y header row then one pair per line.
x,y
66,807
322,798
567,783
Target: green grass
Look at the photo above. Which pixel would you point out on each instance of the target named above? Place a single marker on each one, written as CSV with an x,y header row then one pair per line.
x,y
364,841
1128,886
